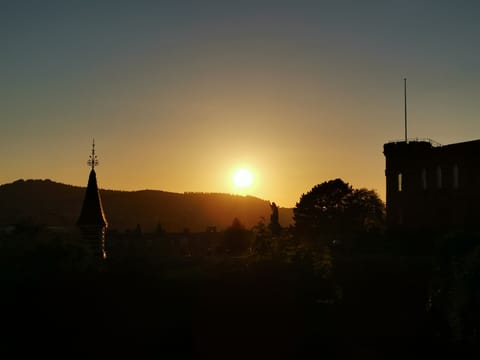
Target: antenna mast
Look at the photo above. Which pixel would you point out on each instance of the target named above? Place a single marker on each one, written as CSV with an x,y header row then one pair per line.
x,y
405,100
93,160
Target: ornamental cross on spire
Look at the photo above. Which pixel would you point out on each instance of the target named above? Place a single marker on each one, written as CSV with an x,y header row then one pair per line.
x,y
93,160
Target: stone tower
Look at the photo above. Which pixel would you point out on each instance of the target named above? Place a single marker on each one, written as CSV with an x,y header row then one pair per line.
x,y
432,187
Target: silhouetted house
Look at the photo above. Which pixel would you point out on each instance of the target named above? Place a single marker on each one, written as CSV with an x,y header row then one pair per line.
x,y
432,187
92,220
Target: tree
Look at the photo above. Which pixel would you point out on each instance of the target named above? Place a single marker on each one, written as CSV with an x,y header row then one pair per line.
x,y
262,244
455,292
159,229
333,211
236,240
138,231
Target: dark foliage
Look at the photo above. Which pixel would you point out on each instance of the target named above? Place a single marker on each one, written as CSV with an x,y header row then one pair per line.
x,y
236,239
455,290
334,212
61,300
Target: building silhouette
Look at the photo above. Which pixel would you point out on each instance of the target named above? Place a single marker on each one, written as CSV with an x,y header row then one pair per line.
x,y
92,220
432,187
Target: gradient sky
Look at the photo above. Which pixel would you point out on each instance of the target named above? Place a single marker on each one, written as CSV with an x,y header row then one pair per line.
x,y
177,94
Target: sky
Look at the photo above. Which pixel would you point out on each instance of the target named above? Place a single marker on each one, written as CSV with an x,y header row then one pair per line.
x,y
178,94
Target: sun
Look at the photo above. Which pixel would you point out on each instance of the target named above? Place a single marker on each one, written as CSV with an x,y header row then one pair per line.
x,y
242,178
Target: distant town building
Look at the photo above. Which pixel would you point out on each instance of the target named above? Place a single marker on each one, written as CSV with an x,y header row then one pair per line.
x,y
432,187
92,220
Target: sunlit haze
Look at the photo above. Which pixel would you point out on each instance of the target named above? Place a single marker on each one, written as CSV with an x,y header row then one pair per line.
x,y
242,178
176,94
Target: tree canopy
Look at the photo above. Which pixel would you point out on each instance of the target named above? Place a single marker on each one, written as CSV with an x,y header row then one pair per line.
x,y
335,210
236,240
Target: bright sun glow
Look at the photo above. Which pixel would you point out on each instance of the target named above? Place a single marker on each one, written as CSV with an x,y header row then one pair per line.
x,y
242,178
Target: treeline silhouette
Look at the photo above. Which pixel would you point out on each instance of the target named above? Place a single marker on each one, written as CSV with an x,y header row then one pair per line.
x,y
336,284
50,203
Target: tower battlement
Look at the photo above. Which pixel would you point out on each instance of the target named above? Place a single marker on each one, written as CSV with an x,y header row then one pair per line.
x,y
432,187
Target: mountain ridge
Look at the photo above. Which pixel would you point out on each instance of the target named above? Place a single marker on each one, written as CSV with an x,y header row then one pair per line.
x,y
46,202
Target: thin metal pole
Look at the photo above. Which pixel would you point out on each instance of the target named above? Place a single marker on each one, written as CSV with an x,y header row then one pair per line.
x,y
405,99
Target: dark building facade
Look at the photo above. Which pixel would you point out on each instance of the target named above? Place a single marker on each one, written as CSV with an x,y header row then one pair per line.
x,y
432,187
92,220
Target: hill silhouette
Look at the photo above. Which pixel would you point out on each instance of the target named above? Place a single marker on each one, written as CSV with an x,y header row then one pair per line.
x,y
50,203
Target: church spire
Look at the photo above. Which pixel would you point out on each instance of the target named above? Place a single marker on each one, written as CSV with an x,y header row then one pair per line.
x,y
92,220
92,210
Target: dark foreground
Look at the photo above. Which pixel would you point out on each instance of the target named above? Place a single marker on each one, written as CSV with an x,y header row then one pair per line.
x,y
229,309
378,301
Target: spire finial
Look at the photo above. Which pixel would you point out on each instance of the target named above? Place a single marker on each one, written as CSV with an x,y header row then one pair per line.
x,y
93,160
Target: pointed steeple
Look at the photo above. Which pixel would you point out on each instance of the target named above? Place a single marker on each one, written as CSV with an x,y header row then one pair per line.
x,y
92,213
